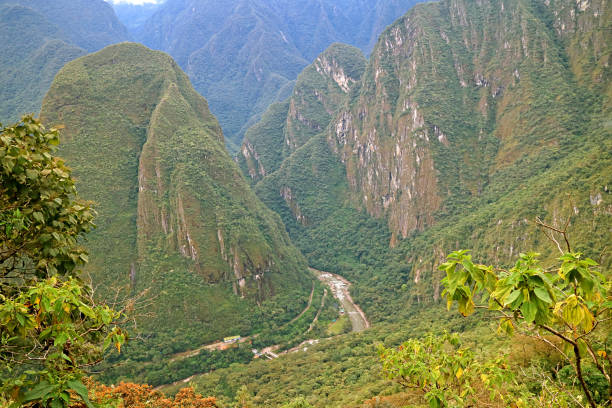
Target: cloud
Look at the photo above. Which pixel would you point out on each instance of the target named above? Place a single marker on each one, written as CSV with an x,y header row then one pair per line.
x,y
139,2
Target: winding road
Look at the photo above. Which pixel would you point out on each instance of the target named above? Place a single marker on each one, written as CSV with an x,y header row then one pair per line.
x,y
340,289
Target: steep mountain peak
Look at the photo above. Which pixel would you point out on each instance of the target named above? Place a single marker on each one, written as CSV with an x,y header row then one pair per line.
x,y
441,87
471,119
176,217
318,92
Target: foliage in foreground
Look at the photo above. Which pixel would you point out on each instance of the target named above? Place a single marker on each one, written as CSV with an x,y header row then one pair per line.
x,y
569,310
50,327
41,216
130,395
446,373
50,332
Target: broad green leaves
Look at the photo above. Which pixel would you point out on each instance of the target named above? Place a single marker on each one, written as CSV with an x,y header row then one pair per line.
x,y
50,327
54,329
41,217
571,297
569,304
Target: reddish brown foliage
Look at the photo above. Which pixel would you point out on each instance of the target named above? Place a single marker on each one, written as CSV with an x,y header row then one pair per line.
x,y
130,395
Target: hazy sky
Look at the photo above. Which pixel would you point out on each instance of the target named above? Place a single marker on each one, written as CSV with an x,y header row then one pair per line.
x,y
135,1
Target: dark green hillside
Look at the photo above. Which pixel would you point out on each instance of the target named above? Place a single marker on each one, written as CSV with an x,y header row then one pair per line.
x,y
30,59
88,24
469,122
244,55
37,37
176,217
318,93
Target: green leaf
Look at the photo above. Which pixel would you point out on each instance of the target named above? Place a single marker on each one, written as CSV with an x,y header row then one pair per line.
x,y
81,390
512,297
38,216
582,347
39,391
543,295
57,403
529,310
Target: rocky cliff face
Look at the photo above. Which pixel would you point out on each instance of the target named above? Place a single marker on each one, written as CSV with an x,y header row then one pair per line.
x,y
318,93
456,91
471,119
175,214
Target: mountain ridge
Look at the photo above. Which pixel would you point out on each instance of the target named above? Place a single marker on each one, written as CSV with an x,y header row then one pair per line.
x,y
243,55
39,37
176,217
467,123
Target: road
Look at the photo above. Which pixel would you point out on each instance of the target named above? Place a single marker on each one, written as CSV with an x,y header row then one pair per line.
x,y
340,289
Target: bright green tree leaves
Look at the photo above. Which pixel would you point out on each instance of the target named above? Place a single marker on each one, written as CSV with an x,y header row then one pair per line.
x,y
299,402
41,217
50,326
569,304
49,332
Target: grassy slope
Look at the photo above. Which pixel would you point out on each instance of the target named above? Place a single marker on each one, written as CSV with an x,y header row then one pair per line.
x,y
176,218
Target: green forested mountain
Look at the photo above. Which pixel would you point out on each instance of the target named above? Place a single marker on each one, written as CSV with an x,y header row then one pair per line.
x,y
38,37
176,218
243,55
469,121
89,24
29,62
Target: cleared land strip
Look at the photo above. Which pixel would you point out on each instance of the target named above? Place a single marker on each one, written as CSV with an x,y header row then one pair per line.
x,y
340,289
221,345
303,311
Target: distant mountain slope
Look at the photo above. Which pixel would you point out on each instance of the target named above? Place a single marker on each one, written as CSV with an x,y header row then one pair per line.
x,y
470,120
318,93
243,55
30,59
38,37
89,24
134,15
176,217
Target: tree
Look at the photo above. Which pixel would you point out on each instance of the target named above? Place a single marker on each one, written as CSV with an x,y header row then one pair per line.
x,y
244,399
144,396
51,328
569,302
299,402
444,372
49,333
41,216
